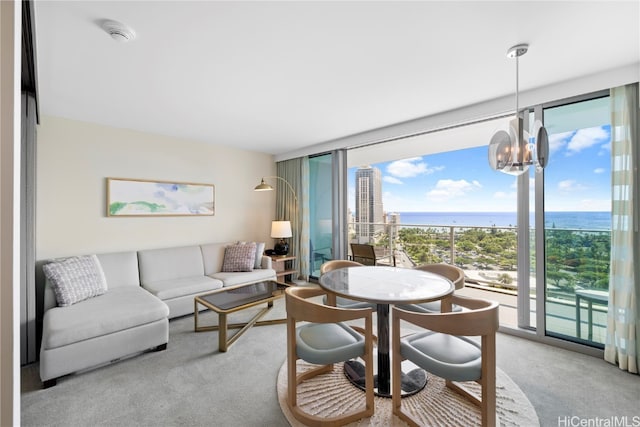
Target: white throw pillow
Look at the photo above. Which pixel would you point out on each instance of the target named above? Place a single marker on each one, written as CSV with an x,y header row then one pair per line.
x,y
76,279
259,253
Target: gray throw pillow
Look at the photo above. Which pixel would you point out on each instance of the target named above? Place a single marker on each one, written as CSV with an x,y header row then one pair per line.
x,y
76,279
259,252
239,257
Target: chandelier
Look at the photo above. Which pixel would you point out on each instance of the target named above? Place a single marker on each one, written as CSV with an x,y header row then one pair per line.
x,y
514,151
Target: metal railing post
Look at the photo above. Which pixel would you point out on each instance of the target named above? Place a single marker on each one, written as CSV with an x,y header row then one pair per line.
x,y
452,243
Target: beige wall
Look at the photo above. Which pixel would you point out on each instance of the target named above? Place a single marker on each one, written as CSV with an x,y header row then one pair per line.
x,y
75,158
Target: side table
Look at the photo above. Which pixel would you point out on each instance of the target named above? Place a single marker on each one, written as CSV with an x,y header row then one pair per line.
x,y
283,265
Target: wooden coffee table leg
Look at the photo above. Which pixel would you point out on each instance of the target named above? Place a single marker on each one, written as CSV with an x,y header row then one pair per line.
x,y
222,332
195,315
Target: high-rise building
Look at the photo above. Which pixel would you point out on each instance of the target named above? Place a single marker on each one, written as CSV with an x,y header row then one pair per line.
x,y
393,221
368,203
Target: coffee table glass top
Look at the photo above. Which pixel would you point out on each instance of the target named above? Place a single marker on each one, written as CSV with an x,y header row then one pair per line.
x,y
226,299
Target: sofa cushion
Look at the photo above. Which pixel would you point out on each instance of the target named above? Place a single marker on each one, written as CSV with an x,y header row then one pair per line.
x,y
170,263
231,279
116,310
240,257
75,279
212,256
120,268
167,289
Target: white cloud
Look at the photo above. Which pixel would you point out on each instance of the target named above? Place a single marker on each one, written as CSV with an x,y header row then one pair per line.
x,y
446,189
558,141
599,170
391,180
605,149
409,168
570,185
585,138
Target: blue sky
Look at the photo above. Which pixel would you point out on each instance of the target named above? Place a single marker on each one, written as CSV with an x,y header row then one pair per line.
x,y
577,178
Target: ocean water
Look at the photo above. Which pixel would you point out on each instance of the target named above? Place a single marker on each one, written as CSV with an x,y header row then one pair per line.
x,y
559,220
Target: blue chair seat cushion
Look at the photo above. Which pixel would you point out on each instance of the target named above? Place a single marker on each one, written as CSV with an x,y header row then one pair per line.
x,y
428,307
447,356
325,343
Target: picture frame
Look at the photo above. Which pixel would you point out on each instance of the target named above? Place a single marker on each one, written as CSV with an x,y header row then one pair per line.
x,y
144,198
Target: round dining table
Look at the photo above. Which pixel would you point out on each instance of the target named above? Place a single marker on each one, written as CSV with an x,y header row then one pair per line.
x,y
383,286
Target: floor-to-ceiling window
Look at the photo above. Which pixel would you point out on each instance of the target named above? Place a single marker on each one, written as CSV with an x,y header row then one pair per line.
x,y
444,207
577,219
548,265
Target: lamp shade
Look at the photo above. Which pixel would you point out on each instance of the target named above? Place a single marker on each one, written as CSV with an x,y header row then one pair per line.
x,y
263,186
281,229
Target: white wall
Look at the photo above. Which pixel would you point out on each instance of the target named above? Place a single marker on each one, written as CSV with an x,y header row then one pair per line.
x,y
75,158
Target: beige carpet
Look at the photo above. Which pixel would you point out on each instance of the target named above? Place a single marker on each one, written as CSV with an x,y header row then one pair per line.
x,y
436,405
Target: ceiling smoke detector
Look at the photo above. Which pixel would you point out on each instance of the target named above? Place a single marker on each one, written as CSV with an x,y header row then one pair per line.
x,y
118,31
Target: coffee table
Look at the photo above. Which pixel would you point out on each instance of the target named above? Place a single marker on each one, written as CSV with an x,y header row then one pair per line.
x,y
224,301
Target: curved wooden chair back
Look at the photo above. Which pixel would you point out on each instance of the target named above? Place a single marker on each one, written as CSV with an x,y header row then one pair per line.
x,y
451,272
480,319
301,308
342,301
336,264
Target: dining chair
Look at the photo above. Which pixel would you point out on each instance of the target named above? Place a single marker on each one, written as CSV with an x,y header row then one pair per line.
x,y
445,350
451,272
323,341
364,254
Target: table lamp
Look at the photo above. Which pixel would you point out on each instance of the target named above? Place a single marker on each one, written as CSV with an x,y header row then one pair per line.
x,y
281,230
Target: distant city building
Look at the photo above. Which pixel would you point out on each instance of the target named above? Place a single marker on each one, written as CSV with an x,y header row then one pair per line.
x,y
368,203
351,220
393,220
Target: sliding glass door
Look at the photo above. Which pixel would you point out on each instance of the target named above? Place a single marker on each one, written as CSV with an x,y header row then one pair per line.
x,y
320,212
577,220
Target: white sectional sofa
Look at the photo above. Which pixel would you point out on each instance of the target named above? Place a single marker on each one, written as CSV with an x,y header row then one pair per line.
x,y
144,290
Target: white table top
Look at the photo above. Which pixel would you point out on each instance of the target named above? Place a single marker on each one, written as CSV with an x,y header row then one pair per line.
x,y
386,285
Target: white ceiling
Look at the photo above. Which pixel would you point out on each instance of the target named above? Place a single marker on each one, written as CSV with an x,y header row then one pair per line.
x,y
278,76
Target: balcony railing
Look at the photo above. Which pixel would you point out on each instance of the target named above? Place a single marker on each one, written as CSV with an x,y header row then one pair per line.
x,y
480,251
576,260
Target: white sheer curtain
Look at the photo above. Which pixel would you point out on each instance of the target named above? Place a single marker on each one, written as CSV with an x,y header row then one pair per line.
x,y
295,209
622,345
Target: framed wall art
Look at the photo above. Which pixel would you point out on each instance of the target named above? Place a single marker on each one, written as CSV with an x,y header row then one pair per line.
x,y
138,197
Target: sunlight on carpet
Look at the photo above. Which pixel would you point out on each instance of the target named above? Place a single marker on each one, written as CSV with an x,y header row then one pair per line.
x,y
436,405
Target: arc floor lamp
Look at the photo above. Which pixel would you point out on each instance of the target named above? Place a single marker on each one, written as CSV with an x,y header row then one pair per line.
x,y
281,229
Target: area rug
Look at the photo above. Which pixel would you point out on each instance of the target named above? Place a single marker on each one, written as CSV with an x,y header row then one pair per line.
x,y
436,405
